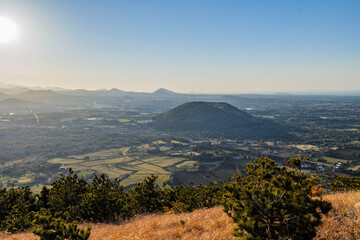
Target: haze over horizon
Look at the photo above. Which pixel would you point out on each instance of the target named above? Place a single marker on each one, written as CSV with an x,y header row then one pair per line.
x,y
186,46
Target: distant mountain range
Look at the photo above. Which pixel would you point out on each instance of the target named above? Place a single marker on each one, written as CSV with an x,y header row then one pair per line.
x,y
161,100
16,89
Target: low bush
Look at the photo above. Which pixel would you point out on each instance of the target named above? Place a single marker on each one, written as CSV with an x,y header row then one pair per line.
x,y
56,229
340,184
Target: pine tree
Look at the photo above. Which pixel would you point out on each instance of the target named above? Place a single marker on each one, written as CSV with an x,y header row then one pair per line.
x,y
56,229
65,196
105,200
273,202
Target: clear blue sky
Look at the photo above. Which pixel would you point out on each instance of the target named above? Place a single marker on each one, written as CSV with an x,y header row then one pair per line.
x,y
200,46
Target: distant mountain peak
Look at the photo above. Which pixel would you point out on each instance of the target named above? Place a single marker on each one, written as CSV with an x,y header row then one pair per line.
x,y
162,91
115,90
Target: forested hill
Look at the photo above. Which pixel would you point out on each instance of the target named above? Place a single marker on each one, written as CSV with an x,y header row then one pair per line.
x,y
204,116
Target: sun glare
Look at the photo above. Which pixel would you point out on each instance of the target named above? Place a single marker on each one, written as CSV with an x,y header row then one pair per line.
x,y
8,30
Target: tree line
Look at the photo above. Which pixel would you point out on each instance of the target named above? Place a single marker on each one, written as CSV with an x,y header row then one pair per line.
x,y
269,202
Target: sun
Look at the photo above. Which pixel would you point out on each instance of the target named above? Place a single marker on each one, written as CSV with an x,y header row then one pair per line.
x,y
8,30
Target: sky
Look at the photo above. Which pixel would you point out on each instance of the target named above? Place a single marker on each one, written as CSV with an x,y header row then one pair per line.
x,y
224,46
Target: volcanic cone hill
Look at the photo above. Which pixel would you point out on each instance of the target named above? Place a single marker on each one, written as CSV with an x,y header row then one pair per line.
x,y
204,116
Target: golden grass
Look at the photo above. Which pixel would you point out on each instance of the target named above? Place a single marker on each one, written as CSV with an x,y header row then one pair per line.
x,y
205,224
342,223
19,236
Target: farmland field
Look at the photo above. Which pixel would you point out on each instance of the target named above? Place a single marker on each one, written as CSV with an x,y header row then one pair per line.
x,y
307,147
327,161
334,160
131,166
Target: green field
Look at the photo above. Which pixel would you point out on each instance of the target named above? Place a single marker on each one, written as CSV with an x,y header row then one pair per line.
x,y
306,147
124,120
131,167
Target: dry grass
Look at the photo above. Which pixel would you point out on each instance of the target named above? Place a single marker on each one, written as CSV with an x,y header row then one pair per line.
x,y
205,224
19,236
342,223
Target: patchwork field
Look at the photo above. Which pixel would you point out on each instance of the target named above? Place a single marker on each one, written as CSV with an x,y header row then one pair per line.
x,y
329,161
130,164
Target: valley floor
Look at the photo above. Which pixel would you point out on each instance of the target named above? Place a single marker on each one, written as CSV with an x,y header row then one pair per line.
x,y
343,222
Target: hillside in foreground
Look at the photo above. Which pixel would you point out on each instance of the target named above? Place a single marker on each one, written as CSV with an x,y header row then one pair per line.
x,y
343,222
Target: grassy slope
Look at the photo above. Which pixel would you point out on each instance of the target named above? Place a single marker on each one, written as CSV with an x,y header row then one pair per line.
x,y
201,224
343,222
